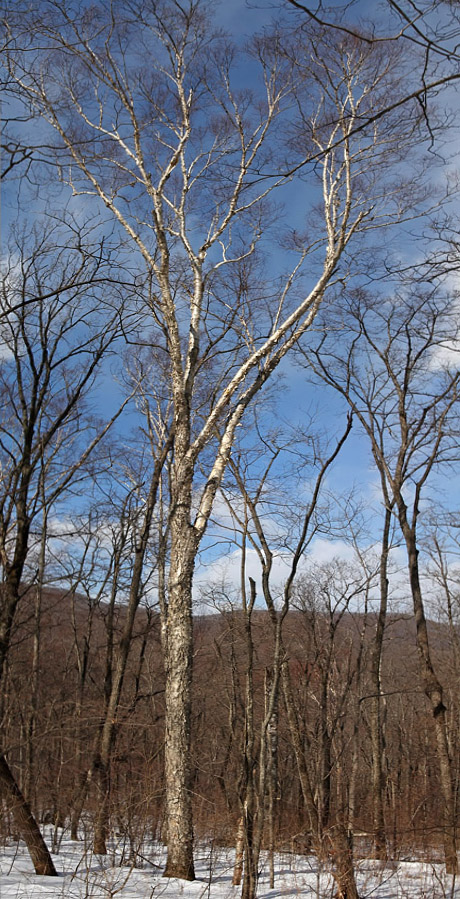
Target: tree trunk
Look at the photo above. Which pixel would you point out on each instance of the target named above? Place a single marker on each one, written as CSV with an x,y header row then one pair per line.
x,y
375,716
84,781
296,739
340,847
114,680
433,691
101,827
178,663
20,809
25,822
324,749
342,857
239,853
31,723
250,871
272,773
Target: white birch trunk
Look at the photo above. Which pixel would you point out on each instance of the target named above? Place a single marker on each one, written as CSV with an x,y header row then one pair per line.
x,y
178,688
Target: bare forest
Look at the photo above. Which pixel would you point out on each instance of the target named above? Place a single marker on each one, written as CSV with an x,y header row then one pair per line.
x,y
229,432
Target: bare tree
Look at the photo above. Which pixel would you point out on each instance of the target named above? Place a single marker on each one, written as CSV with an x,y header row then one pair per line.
x,y
87,563
427,32
184,161
394,372
140,527
295,538
54,333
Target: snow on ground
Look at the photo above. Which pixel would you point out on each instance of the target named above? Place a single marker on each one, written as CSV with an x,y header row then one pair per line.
x,y
85,876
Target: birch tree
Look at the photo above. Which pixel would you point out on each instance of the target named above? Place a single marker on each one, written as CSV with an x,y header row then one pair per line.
x,y
183,161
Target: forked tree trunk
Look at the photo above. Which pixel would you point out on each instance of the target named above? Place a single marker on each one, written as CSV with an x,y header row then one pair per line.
x,y
25,822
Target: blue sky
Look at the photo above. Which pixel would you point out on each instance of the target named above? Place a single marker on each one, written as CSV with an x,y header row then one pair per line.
x,y
297,398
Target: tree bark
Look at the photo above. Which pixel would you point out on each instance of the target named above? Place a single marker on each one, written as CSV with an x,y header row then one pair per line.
x,y
178,774
342,857
25,822
239,853
178,653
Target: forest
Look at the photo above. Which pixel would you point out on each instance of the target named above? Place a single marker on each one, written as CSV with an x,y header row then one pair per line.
x,y
229,433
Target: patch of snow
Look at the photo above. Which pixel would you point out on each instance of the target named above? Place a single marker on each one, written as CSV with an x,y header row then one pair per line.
x,y
82,875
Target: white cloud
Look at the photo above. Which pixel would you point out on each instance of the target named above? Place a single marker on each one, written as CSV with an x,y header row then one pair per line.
x,y
218,582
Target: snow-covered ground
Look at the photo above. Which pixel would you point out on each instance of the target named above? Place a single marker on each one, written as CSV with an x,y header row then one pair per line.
x,y
85,876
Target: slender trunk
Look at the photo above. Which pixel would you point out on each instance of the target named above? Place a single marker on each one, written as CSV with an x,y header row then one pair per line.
x,y
433,691
102,768
29,778
103,759
354,772
339,849
355,744
249,887
272,771
239,853
250,856
84,781
82,777
296,740
264,790
325,751
14,799
342,857
11,592
29,775
451,617
115,679
375,715
25,822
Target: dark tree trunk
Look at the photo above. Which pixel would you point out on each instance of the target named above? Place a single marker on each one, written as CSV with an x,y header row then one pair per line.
x,y
14,799
375,716
25,822
342,856
434,692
